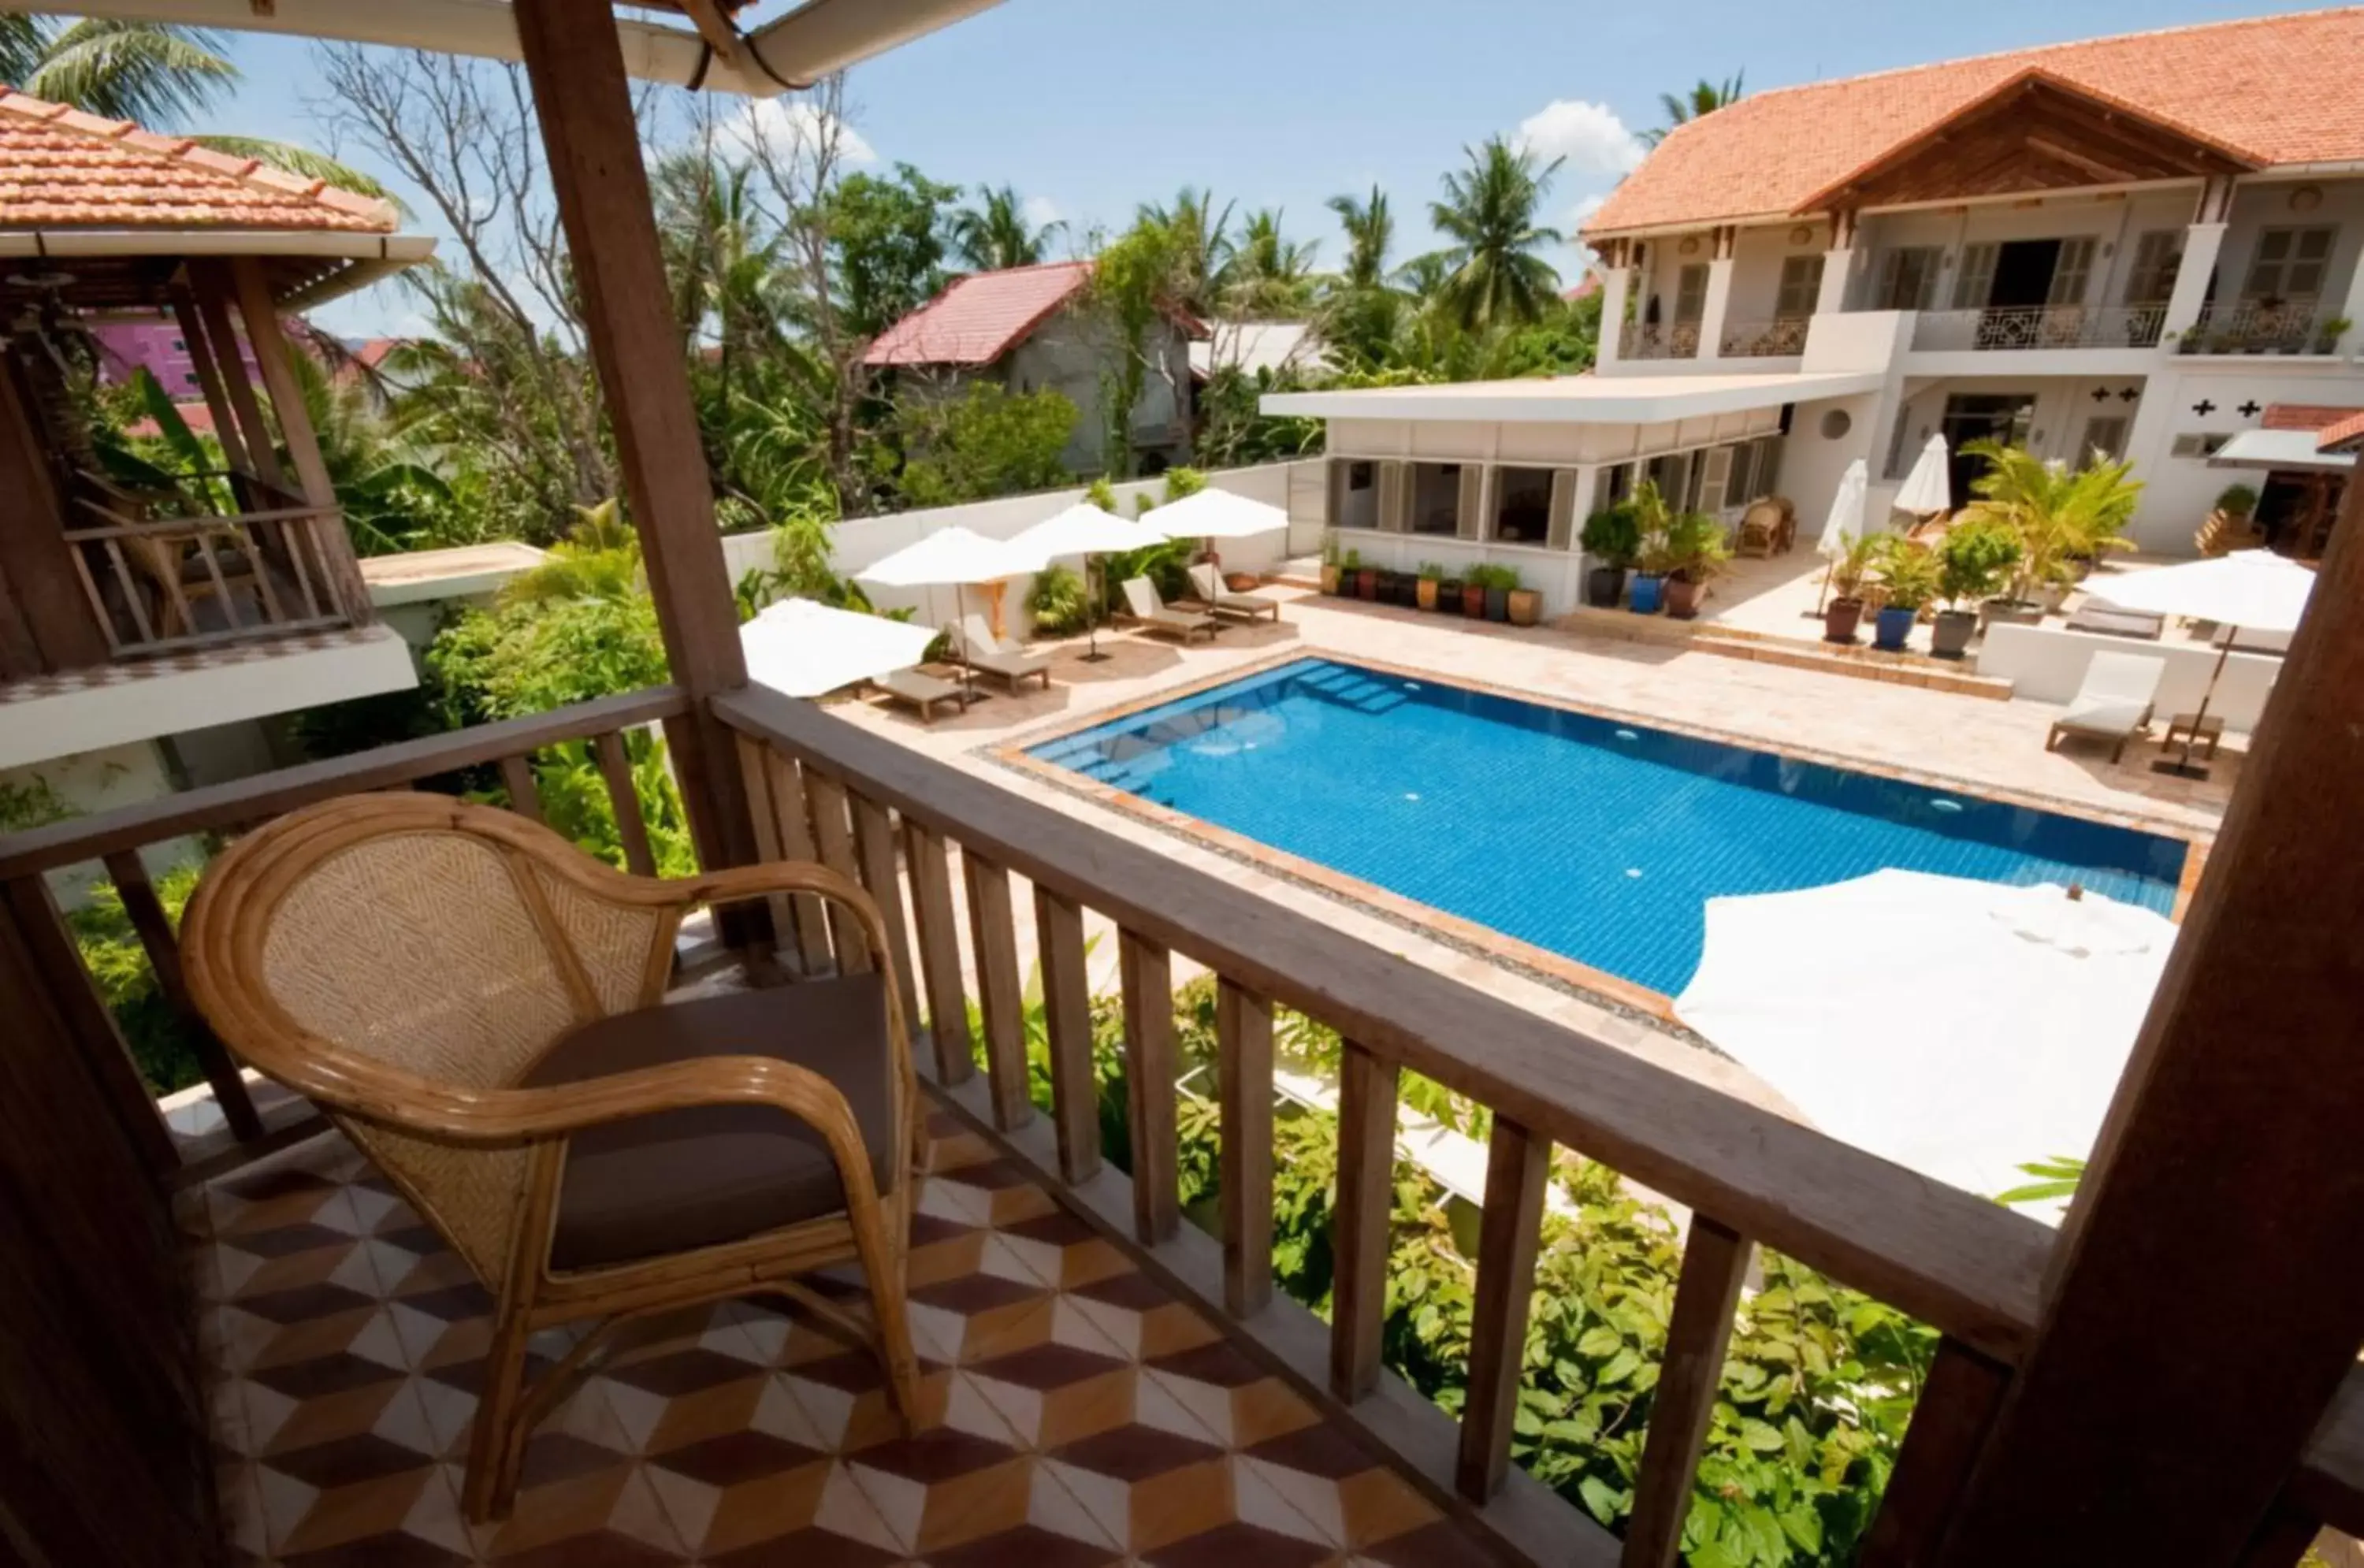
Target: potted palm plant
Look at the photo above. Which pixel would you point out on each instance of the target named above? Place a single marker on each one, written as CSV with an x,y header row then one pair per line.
x,y
1654,560
2060,518
1431,574
1908,571
1329,564
1844,613
1613,536
1696,548
1973,563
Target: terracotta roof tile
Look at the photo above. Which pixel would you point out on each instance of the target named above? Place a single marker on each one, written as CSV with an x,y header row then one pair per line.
x,y
2279,88
2306,416
2346,436
979,317
62,169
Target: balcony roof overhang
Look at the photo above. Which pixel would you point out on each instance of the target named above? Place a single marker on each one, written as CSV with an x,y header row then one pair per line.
x,y
116,269
2034,132
791,51
1574,399
2297,451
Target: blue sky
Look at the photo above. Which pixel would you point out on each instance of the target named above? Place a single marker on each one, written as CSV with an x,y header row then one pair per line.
x,y
1091,107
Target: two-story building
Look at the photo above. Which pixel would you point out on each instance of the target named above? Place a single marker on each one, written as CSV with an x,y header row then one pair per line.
x,y
2134,245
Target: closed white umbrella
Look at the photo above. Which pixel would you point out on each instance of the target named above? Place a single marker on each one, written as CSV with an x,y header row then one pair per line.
x,y
1083,529
2251,588
1976,1027
804,649
1929,488
1844,524
957,556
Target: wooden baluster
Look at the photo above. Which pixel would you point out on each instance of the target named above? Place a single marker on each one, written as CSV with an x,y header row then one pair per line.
x,y
524,795
137,602
939,939
1707,1293
97,600
148,919
616,767
1244,1076
1366,1163
252,549
294,541
1068,1023
202,538
1150,1063
873,847
783,784
1517,1166
1956,1411
993,938
833,836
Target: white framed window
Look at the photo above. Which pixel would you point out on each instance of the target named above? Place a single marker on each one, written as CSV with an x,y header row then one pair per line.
x,y
1690,293
1976,280
2290,264
2104,440
2071,273
2158,256
1801,285
1908,277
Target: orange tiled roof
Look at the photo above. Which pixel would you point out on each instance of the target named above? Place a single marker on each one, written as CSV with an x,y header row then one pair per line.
x,y
979,317
2306,416
62,169
2281,88
2345,436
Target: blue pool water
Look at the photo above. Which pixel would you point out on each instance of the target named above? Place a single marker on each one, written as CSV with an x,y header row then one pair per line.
x,y
1599,841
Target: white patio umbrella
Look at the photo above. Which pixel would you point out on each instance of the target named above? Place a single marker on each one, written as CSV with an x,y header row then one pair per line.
x,y
1929,488
1083,529
1977,1026
1214,514
957,556
2251,588
804,649
1844,524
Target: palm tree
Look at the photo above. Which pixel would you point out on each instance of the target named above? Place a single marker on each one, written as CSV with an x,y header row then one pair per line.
x,y
1270,276
995,234
1489,214
1370,229
1703,99
1201,243
2061,516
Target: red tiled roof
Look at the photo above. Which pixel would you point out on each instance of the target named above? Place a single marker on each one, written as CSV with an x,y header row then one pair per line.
x,y
62,169
2306,416
2348,435
2279,88
980,317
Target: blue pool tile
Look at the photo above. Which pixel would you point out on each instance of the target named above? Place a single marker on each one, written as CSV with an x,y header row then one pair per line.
x,y
1590,838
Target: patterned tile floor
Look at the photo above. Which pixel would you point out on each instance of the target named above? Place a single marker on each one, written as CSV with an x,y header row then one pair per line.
x,y
1082,1416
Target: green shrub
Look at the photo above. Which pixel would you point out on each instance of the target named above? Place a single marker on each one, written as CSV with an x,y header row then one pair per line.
x,y
1613,534
162,1046
1976,559
1060,601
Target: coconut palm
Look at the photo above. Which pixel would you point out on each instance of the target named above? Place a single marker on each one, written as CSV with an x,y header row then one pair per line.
x,y
1703,99
1270,276
1370,229
995,234
2062,517
1489,214
1199,243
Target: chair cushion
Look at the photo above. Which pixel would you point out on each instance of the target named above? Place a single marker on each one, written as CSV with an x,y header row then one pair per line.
x,y
683,1179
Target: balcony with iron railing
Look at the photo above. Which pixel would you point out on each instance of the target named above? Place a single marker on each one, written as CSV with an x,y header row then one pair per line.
x,y
2031,327
1654,340
2300,326
1778,337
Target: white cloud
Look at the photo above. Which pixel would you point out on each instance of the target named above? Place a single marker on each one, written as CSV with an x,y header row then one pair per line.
x,y
1040,212
1586,209
792,128
1589,136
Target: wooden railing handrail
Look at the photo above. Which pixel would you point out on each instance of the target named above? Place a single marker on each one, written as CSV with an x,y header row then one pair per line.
x,y
197,522
244,801
1944,1256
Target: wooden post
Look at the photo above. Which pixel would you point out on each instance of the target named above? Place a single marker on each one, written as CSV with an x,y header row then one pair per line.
x,y
1360,1219
217,395
1518,1165
259,312
35,562
1707,1292
1068,1029
1000,994
938,938
1243,1075
576,68
2196,1325
1150,1064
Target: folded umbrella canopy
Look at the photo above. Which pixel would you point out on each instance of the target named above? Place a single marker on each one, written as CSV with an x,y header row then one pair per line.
x,y
2254,589
1844,524
1959,1027
1929,488
955,556
1083,529
804,649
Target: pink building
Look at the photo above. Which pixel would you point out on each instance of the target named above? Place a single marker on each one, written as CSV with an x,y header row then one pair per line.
x,y
157,346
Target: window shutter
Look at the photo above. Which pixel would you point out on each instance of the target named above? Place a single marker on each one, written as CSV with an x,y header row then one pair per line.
x,y
1690,293
1471,506
1393,497
1976,280
1801,285
1715,470
1560,531
2071,272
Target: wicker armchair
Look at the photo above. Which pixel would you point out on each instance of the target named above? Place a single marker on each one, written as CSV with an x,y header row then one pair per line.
x,y
475,1003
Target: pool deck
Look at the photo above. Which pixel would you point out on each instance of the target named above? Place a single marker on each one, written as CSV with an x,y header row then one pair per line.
x,y
1986,747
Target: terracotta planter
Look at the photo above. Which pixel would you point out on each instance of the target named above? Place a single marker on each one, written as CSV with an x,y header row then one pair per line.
x,y
1425,595
1473,601
1682,598
1366,583
1950,636
1526,606
1328,578
1840,619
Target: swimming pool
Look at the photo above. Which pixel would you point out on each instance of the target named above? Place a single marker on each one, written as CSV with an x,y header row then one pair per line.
x,y
1592,838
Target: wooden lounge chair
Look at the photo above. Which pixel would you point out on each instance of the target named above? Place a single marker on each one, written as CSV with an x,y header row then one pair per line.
x,y
1769,527
1207,578
921,691
975,645
2113,702
475,1002
1150,613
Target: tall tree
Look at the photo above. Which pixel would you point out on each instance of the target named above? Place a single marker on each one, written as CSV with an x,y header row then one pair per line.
x,y
995,233
888,241
1489,214
1199,248
1703,99
1370,230
1270,276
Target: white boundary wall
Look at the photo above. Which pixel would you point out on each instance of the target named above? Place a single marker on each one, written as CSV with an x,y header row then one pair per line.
x,y
2047,664
856,542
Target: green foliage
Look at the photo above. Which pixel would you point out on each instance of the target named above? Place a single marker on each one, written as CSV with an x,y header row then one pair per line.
x,y
2057,1178
1431,572
30,803
1850,571
1613,534
1491,577
1235,432
1134,282
1059,602
2060,515
888,236
995,233
161,1045
1975,559
2236,500
988,441
1695,546
1703,99
1487,215
1909,570
1181,484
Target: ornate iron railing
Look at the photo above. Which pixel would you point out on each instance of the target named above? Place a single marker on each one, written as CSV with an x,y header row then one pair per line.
x,y
1778,337
2040,326
1652,340
2264,327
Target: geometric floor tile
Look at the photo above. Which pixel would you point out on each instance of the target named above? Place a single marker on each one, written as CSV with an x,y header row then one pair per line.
x,y
1075,1414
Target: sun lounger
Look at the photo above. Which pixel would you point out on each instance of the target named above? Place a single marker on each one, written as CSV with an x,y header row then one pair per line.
x,y
2113,703
2110,621
1207,578
1150,613
975,645
921,691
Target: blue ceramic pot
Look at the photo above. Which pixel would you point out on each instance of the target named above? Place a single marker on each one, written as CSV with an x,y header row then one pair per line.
x,y
1894,626
1647,590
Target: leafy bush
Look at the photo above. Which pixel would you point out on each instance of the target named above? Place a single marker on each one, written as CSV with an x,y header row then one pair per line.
x,y
989,441
1060,601
1974,560
1908,570
2236,500
1613,534
1696,546
162,1046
